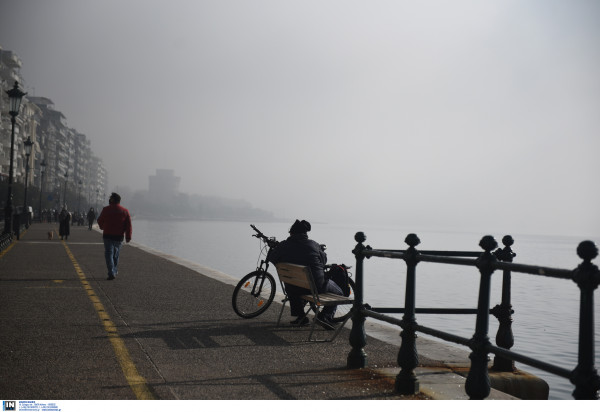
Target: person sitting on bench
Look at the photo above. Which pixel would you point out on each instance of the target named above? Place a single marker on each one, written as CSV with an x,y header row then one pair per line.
x,y
301,250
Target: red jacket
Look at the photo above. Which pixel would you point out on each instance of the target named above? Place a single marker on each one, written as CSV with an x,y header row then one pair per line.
x,y
114,220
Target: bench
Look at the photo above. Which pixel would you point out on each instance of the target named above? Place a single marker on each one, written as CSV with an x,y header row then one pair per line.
x,y
301,276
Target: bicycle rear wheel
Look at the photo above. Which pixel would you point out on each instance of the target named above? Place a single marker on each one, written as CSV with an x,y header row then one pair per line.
x,y
253,294
342,312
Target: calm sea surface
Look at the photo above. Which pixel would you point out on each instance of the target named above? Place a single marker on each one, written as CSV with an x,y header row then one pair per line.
x,y
545,322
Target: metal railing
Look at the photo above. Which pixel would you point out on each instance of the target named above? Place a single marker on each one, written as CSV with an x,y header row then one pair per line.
x,y
5,240
21,221
587,277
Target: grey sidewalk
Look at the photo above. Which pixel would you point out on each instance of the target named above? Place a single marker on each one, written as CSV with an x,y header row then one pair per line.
x,y
179,332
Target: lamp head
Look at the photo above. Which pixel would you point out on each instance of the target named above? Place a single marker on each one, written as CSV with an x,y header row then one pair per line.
x,y
15,95
28,145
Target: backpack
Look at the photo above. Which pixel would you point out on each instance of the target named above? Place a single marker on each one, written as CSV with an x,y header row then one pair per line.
x,y
339,274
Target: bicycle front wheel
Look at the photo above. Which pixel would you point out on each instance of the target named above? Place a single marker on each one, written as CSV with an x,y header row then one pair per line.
x,y
253,294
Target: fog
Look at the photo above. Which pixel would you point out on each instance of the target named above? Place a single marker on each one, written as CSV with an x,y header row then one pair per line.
x,y
472,115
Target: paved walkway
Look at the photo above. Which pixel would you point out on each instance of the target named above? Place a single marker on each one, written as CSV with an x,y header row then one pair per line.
x,y
164,329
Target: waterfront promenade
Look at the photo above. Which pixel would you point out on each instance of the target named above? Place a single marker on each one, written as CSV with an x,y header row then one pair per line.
x,y
164,329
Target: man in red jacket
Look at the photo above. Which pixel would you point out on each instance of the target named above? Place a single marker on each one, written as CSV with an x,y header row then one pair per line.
x,y
115,222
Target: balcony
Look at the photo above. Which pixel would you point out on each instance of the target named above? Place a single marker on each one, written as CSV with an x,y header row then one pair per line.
x,y
10,59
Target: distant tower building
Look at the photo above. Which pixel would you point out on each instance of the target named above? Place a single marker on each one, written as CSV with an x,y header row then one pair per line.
x,y
163,187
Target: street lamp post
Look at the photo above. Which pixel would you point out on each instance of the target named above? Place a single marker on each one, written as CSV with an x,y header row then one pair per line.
x,y
79,198
58,191
28,146
65,195
15,95
42,171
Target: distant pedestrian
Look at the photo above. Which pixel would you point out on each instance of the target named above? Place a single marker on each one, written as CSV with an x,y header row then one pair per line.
x,y
91,216
64,222
115,222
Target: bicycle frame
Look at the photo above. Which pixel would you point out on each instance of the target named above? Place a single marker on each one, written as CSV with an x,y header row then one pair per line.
x,y
263,267
256,288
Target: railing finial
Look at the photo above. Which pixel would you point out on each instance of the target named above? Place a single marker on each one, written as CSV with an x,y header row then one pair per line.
x,y
412,240
488,243
360,237
587,250
508,241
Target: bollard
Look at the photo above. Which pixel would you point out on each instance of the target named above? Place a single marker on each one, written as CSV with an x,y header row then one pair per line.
x,y
587,276
357,358
408,358
503,312
477,385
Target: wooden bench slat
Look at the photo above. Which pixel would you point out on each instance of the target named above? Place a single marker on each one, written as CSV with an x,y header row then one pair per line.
x,y
299,275
294,275
329,299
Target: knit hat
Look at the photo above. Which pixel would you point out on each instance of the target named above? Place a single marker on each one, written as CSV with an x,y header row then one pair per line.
x,y
300,227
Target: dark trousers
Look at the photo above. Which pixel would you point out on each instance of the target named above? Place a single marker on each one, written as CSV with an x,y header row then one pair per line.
x,y
297,304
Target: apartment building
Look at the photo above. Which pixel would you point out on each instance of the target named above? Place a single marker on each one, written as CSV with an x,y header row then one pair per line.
x,y
71,170
10,64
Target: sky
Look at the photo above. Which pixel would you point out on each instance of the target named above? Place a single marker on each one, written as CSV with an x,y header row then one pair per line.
x,y
451,115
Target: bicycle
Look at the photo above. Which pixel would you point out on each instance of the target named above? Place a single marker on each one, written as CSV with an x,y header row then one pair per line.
x,y
255,292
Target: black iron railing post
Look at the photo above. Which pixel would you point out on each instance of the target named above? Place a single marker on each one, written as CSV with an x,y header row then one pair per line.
x,y
17,225
408,358
357,358
477,385
587,276
503,312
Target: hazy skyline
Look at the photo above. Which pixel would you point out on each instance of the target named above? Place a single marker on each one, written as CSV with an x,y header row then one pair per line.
x,y
474,115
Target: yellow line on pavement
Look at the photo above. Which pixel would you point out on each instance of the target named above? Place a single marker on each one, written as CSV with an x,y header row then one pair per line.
x,y
136,381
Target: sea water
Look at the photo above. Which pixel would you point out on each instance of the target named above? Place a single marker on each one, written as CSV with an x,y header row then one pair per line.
x,y
545,322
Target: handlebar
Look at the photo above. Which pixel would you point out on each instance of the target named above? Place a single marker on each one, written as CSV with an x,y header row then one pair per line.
x,y
270,241
257,231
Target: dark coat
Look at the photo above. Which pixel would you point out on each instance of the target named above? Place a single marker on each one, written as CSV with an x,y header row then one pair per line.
x,y
301,250
64,219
